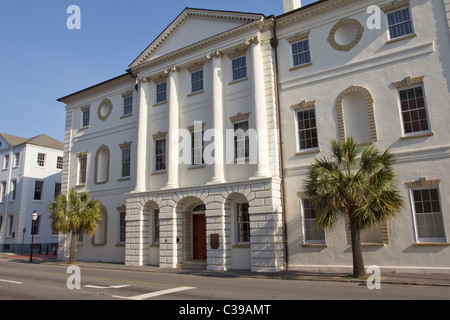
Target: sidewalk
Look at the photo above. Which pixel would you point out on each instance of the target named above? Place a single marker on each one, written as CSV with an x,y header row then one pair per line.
x,y
423,279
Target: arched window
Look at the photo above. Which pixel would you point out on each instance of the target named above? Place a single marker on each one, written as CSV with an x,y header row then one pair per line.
x,y
102,158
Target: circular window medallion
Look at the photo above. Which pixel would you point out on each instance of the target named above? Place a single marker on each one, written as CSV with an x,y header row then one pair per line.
x,y
104,110
345,34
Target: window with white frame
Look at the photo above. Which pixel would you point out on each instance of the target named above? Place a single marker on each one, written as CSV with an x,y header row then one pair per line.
x,y
311,230
3,191
198,147
126,162
16,159
13,189
197,81
122,227
6,161
156,225
300,53
38,189
86,117
241,140
82,169
428,215
57,189
414,110
59,162
239,67
128,105
307,129
400,23
41,159
242,223
160,154
161,92
10,225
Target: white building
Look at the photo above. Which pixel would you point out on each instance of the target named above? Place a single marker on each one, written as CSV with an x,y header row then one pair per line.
x,y
30,177
238,204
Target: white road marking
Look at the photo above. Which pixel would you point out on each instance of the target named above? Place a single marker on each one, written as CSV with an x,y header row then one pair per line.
x,y
155,294
9,281
110,287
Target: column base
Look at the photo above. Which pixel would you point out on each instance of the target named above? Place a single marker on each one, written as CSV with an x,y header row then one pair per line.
x,y
260,175
216,181
170,186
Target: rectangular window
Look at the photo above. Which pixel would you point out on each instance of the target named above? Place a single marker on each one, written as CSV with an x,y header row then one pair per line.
x,y
428,215
160,155
86,117
156,225
35,226
400,23
10,226
57,189
239,67
197,81
241,140
41,160
312,232
300,53
161,92
414,110
126,162
6,162
13,189
242,222
198,146
59,162
16,159
122,227
3,191
38,188
82,170
128,105
307,129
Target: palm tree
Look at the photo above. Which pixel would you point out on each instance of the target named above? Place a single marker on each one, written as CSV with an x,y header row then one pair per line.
x,y
355,183
74,214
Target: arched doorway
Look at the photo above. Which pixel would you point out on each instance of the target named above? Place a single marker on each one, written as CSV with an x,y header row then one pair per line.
x,y
199,233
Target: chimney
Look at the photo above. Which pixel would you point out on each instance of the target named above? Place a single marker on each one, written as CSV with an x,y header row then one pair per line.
x,y
289,5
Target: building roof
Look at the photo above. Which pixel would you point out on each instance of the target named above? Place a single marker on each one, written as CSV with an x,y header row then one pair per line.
x,y
42,140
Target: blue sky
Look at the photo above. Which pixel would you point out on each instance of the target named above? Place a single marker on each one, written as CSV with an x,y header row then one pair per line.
x,y
42,60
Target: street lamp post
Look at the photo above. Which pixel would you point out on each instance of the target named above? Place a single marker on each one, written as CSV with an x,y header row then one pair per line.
x,y
33,221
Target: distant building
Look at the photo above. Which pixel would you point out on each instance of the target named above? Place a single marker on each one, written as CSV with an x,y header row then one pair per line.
x,y
325,71
30,177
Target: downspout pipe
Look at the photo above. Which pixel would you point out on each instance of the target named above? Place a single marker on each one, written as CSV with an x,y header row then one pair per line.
x,y
274,44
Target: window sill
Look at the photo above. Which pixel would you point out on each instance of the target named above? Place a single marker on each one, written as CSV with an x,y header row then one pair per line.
x,y
198,166
160,103
241,246
155,173
301,66
308,151
196,93
372,244
314,245
408,36
238,81
126,116
431,244
124,179
84,128
417,135
120,245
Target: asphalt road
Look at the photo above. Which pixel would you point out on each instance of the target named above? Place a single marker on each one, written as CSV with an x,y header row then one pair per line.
x,y
24,281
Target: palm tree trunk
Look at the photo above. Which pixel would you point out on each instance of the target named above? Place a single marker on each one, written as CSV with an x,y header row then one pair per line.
x,y
358,261
73,247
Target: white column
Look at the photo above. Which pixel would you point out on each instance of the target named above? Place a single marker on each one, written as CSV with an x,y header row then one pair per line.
x,y
219,161
174,125
259,108
142,136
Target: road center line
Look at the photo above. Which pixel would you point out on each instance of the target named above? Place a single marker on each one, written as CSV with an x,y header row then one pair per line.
x,y
9,281
155,294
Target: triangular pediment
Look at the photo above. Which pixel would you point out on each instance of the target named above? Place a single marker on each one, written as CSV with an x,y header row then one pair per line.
x,y
193,26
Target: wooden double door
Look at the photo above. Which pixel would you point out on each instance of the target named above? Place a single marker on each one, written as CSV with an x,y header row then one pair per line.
x,y
199,236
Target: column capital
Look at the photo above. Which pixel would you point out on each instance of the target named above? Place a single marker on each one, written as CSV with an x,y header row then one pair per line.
x,y
256,39
170,69
142,80
214,54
